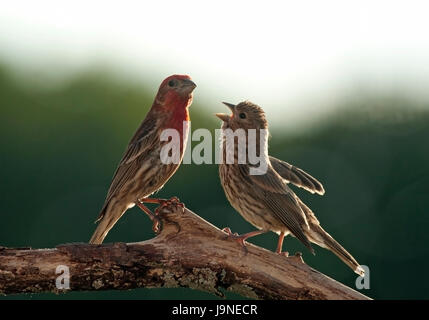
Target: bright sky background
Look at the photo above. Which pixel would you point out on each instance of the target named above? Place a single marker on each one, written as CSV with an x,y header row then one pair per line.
x,y
284,55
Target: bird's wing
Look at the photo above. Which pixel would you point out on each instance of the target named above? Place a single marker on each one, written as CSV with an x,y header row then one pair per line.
x,y
142,141
297,176
139,142
281,201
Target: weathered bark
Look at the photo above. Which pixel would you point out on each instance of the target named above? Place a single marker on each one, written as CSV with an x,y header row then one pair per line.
x,y
189,252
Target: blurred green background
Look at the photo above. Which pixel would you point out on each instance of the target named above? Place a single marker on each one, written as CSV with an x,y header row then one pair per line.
x,y
60,146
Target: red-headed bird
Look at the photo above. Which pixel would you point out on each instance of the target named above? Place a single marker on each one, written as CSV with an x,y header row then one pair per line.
x,y
141,171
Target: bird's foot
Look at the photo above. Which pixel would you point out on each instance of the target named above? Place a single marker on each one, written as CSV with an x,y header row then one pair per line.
x,y
156,224
284,253
229,232
164,203
236,237
172,202
241,239
298,257
153,216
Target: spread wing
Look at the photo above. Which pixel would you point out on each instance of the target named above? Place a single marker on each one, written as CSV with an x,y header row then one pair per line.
x,y
281,201
140,145
297,176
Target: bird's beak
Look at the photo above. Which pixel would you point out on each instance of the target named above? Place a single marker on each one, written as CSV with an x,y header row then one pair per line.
x,y
189,83
225,117
230,106
187,87
222,116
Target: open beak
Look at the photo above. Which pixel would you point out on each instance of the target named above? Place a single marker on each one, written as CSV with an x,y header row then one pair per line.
x,y
223,116
230,106
226,117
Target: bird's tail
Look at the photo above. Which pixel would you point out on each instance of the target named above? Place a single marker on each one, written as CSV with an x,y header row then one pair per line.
x,y
324,239
106,221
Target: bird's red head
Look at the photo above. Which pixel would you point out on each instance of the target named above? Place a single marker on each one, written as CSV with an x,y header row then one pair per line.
x,y
175,92
172,101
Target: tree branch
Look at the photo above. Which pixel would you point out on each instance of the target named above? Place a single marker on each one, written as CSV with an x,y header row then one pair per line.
x,y
189,252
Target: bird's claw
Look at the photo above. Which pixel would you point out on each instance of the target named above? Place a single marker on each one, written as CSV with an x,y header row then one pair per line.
x,y
230,234
298,257
236,237
174,201
156,224
284,253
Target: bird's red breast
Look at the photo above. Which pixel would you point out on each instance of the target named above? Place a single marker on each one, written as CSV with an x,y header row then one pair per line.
x,y
172,102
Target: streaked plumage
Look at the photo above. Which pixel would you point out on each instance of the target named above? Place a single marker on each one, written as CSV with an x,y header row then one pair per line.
x,y
140,172
266,201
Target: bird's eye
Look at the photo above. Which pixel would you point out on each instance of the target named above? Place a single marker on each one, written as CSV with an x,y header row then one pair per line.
x,y
242,115
171,83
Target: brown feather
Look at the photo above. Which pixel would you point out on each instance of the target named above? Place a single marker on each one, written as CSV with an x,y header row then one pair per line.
x,y
297,176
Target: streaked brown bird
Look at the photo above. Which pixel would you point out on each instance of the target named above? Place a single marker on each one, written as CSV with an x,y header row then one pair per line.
x,y
265,200
141,171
